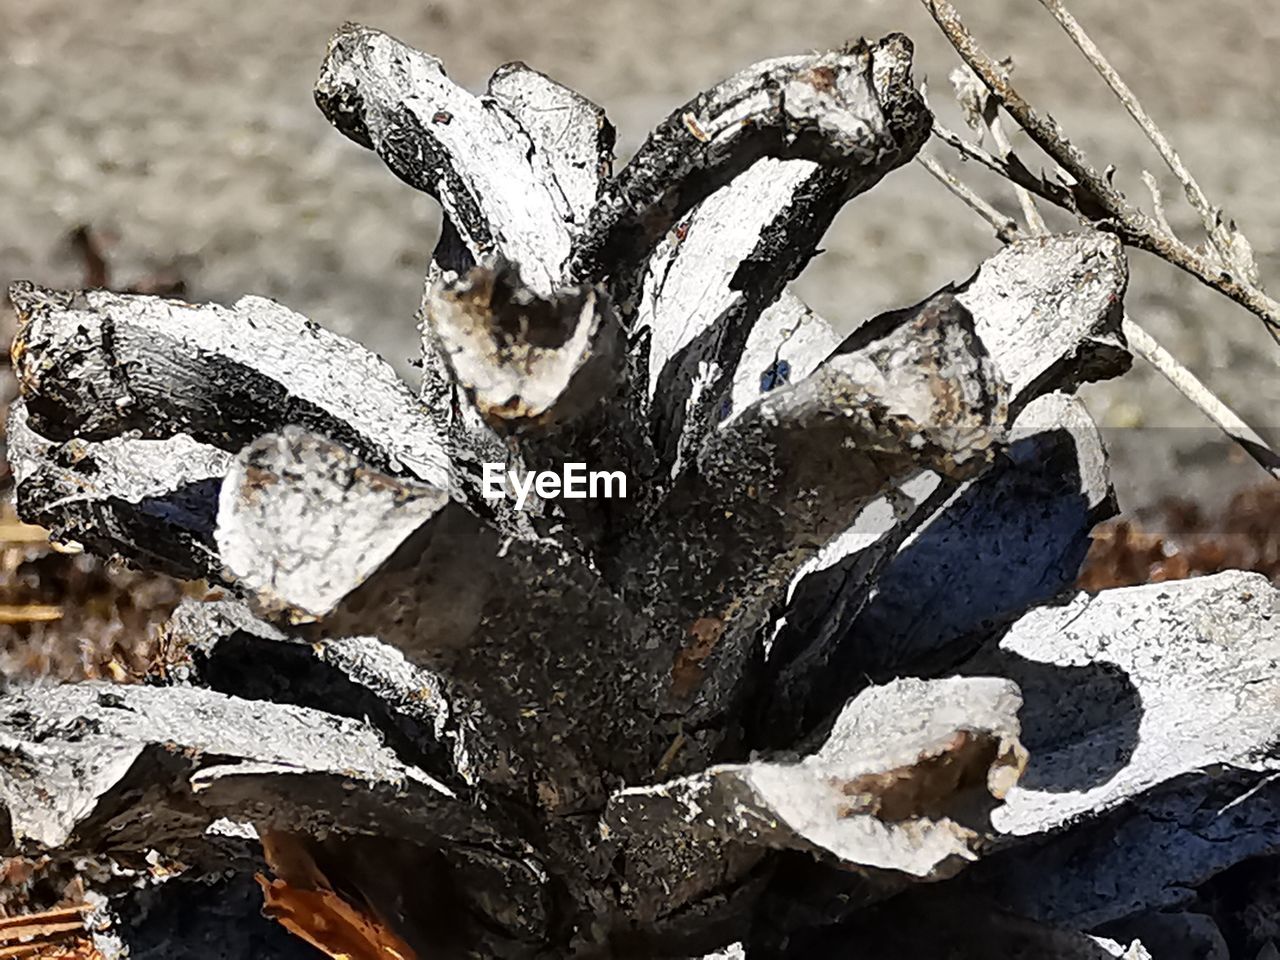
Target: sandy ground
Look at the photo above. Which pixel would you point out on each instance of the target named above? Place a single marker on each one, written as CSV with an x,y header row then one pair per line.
x,y
187,131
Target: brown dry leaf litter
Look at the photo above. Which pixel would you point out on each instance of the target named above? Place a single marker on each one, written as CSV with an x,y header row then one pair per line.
x,y
56,934
1243,536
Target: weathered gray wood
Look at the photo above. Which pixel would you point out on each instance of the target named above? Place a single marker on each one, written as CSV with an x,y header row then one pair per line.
x,y
302,522
385,563
1078,281
904,783
134,768
220,645
831,585
1149,719
553,149
1150,854
517,172
540,383
153,502
688,281
937,581
471,441
857,110
870,120
710,280
785,345
141,769
572,153
1198,656
571,136
832,111
1044,310
97,365
500,884
772,486
1010,540
1047,310
476,160
814,516
923,395
526,362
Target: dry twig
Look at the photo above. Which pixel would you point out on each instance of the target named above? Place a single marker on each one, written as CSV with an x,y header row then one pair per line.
x,y
1091,195
1227,241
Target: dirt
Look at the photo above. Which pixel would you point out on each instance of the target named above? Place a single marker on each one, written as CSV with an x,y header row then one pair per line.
x,y
186,130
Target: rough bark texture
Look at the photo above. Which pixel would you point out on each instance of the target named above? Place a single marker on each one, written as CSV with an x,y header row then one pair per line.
x,y
98,365
905,782
386,563
524,362
477,161
1191,667
719,717
1047,312
923,577
277,488
136,768
154,501
855,110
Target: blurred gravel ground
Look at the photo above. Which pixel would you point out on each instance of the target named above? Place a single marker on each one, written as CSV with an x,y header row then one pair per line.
x,y
187,130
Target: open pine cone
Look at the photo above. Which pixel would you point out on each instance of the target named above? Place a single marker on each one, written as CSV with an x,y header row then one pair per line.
x,y
817,657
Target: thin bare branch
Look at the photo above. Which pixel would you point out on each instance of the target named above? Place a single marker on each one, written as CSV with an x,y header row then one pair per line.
x,y
1006,228
1220,235
1025,200
1145,346
983,113
1060,195
1093,197
1044,130
1157,200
